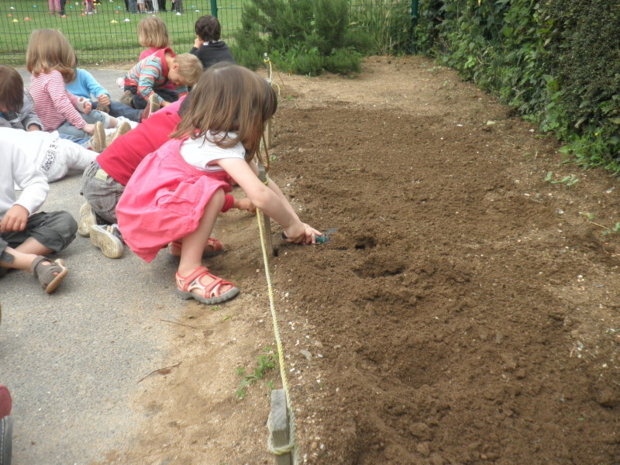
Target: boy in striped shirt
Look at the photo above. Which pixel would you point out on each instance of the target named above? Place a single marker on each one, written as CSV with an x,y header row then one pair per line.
x,y
148,80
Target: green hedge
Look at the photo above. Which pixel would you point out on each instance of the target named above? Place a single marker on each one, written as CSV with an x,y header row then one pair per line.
x,y
556,61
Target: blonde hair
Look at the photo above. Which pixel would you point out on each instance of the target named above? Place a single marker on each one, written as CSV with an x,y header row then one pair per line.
x,y
190,67
48,50
152,32
229,98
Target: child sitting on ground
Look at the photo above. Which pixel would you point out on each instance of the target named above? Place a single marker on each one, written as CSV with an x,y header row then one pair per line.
x,y
51,60
25,236
148,80
177,191
105,179
16,105
207,46
51,155
86,86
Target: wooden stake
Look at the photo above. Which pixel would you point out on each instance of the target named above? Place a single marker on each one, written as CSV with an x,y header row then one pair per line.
x,y
279,427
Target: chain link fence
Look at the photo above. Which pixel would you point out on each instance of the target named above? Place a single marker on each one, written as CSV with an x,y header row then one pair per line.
x,y
104,31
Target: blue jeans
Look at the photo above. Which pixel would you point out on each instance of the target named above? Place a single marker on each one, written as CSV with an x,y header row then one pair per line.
x,y
120,109
69,131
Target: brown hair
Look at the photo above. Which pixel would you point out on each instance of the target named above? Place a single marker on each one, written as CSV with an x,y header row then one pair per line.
x,y
11,89
152,32
229,98
190,67
208,28
48,50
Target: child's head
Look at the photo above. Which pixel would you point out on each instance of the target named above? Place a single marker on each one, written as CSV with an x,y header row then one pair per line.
x,y
11,90
208,28
185,70
48,50
230,98
152,32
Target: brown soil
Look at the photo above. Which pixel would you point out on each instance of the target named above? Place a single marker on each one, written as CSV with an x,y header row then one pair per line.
x,y
466,310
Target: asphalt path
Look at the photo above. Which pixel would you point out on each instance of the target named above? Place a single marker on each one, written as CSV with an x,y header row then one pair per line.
x,y
73,360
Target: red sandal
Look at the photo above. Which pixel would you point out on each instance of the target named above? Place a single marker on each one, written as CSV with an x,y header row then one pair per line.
x,y
214,247
208,294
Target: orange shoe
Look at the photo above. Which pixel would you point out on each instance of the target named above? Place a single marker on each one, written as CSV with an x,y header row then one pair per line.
x,y
192,287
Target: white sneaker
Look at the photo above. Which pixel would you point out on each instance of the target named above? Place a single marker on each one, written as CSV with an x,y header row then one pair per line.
x,y
87,219
107,238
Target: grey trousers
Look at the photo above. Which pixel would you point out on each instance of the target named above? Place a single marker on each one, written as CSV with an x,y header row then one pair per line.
x,y
55,230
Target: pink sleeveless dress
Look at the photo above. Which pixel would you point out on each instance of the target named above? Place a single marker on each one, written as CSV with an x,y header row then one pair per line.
x,y
164,200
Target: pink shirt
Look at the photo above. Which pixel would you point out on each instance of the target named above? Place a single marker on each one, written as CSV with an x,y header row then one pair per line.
x,y
52,103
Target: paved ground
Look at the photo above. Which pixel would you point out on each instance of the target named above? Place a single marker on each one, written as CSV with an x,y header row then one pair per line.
x,y
74,360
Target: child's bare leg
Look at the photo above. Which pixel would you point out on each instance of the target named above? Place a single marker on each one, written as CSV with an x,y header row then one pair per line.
x,y
34,247
194,244
15,259
49,273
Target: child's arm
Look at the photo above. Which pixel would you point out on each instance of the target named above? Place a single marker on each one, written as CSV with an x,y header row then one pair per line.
x,y
34,191
273,204
64,102
94,88
148,75
31,121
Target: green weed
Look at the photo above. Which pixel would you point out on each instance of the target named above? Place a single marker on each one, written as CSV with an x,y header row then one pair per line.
x,y
265,363
568,181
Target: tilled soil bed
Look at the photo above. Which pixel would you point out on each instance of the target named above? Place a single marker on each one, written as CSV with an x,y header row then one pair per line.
x,y
465,311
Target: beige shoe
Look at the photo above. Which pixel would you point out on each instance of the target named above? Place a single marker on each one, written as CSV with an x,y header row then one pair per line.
x,y
127,98
87,219
107,238
122,128
97,142
151,106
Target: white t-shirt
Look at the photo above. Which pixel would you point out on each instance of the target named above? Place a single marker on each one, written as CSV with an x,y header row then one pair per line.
x,y
18,168
200,152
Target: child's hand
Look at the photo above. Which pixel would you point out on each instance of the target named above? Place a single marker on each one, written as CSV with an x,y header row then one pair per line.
x,y
87,107
15,219
163,103
198,42
34,127
89,128
104,99
302,233
245,204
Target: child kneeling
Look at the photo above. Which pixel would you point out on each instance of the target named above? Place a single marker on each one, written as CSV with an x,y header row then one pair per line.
x,y
177,191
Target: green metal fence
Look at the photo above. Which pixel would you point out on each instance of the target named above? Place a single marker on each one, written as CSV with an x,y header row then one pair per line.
x,y
107,34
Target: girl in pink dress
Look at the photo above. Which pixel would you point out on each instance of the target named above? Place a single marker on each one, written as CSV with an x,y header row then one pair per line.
x,y
176,192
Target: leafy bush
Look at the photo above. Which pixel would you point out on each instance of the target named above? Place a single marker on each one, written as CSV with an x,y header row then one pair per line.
x,y
556,61
301,36
386,24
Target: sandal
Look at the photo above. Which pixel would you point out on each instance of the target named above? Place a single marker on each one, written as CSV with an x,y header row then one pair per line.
x,y
214,247
208,294
50,276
